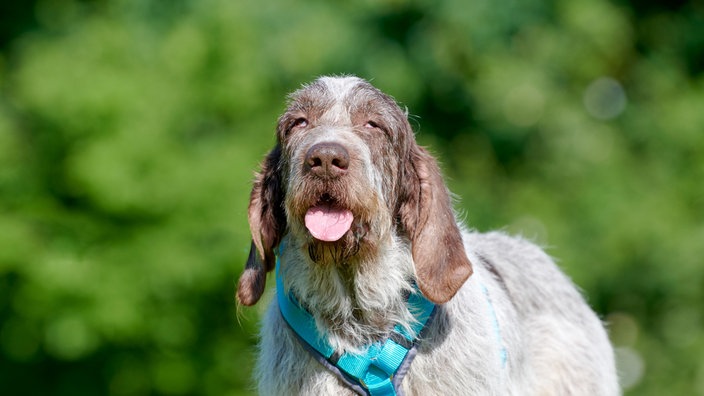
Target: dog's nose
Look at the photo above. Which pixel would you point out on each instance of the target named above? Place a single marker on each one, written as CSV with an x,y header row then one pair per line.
x,y
327,159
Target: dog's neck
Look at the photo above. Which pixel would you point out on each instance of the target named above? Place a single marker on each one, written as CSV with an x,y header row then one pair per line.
x,y
354,303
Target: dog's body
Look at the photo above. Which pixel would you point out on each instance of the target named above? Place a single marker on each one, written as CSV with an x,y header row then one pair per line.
x,y
364,216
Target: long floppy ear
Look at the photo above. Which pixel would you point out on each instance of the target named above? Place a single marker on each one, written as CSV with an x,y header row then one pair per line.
x,y
267,223
426,214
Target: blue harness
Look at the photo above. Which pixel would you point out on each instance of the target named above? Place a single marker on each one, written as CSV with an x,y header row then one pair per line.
x,y
380,367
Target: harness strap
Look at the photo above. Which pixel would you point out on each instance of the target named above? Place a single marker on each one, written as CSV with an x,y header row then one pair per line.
x,y
503,355
379,369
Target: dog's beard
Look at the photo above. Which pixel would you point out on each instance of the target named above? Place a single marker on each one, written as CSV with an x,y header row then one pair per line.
x,y
329,253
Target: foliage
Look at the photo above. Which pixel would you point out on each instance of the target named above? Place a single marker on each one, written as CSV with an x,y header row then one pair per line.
x,y
129,131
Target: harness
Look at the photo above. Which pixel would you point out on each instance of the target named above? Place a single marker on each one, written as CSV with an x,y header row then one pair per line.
x,y
379,369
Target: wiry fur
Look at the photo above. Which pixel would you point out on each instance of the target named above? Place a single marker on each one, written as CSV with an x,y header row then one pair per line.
x,y
404,231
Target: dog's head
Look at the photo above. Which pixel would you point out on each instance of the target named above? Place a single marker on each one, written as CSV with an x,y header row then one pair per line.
x,y
345,178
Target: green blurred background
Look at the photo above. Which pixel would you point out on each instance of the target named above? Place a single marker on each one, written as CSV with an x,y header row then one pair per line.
x,y
130,130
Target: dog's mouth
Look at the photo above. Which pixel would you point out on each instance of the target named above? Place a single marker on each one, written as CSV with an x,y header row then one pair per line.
x,y
327,220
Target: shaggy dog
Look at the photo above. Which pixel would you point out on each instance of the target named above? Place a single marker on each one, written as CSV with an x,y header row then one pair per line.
x,y
361,223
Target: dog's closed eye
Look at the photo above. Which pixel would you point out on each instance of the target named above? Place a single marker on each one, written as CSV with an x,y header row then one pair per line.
x,y
300,122
371,125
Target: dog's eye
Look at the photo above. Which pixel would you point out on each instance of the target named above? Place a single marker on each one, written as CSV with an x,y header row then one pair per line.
x,y
300,123
371,125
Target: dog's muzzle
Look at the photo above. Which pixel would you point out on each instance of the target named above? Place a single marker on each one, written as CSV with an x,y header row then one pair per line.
x,y
327,221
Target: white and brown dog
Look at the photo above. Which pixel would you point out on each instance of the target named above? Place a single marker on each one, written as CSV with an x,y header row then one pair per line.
x,y
362,225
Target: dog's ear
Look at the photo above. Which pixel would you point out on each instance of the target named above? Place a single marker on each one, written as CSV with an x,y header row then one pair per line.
x,y
267,223
426,214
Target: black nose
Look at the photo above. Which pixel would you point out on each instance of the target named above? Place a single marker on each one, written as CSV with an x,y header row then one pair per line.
x,y
327,160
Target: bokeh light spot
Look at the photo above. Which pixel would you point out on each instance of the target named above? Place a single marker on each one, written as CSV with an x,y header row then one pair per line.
x,y
605,98
70,338
630,365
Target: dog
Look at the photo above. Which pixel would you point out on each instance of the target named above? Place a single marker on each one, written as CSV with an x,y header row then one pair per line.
x,y
378,284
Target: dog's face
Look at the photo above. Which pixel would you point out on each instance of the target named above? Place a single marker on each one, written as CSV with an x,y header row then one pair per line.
x,y
341,142
344,179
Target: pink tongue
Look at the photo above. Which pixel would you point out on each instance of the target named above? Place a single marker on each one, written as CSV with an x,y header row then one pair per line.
x,y
328,224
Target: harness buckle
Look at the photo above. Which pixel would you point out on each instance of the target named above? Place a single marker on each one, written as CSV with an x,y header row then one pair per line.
x,y
384,387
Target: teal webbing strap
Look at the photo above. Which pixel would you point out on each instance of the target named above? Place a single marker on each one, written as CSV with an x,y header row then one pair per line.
x,y
299,319
503,355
